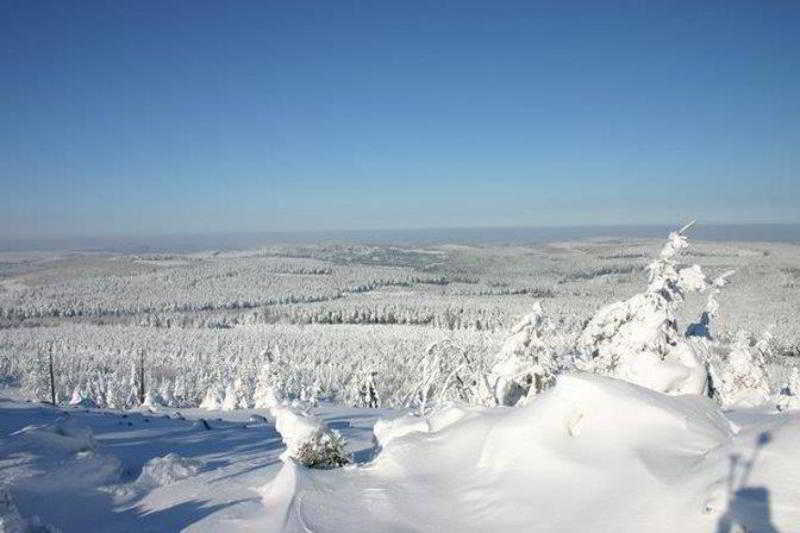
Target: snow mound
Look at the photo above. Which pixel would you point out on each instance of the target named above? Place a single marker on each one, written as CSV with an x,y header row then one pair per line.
x,y
388,429
66,435
591,450
162,471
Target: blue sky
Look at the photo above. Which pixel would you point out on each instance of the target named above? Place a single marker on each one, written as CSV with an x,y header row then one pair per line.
x,y
171,117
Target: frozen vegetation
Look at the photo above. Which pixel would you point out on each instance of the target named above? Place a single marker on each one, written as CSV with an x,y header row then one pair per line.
x,y
602,385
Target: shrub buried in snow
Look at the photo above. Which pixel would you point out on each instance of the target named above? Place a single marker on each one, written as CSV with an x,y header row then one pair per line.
x,y
309,441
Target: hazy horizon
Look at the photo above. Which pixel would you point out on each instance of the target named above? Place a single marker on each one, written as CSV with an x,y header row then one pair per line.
x,y
191,242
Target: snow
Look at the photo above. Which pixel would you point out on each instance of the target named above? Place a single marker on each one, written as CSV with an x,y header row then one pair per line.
x,y
638,340
161,471
593,452
743,381
74,488
10,519
66,434
628,426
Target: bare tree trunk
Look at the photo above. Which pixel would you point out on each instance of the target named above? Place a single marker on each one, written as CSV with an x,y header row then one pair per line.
x,y
52,376
141,377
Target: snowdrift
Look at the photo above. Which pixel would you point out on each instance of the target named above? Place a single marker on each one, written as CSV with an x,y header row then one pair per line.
x,y
68,451
162,471
592,453
65,435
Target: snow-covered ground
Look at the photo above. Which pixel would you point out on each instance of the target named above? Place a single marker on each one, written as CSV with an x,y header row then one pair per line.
x,y
592,454
113,478
638,421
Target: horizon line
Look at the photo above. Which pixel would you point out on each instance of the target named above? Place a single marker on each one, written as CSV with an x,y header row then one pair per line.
x,y
223,233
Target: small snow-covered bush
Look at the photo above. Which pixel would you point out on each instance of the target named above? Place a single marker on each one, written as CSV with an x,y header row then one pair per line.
x,y
309,441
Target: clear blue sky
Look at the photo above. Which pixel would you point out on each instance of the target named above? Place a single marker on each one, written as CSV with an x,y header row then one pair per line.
x,y
168,117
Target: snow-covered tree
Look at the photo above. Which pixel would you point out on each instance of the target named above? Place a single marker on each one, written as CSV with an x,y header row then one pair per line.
x,y
214,398
701,328
789,397
528,361
638,340
742,381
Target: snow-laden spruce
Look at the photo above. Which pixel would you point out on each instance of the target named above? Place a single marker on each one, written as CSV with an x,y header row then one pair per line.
x,y
638,339
527,362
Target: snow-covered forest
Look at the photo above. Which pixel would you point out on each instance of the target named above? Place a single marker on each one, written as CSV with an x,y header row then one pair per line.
x,y
466,375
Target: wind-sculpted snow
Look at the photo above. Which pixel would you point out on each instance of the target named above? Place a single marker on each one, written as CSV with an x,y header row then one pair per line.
x,y
593,452
66,434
